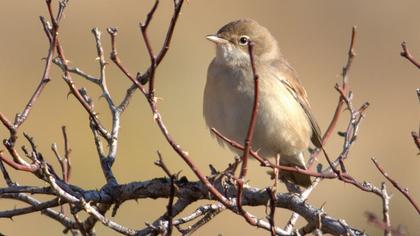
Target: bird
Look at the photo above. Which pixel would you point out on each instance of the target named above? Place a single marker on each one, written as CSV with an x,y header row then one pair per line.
x,y
285,124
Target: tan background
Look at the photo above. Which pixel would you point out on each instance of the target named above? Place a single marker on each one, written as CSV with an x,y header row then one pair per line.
x,y
314,35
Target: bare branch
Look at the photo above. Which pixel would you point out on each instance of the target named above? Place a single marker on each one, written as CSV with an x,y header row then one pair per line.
x,y
43,208
77,71
6,175
226,190
208,212
87,207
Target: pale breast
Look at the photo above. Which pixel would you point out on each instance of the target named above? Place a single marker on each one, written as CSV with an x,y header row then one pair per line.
x,y
282,126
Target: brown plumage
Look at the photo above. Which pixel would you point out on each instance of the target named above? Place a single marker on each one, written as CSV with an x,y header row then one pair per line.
x,y
285,124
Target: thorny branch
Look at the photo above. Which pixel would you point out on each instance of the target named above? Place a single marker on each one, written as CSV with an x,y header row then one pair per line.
x,y
230,194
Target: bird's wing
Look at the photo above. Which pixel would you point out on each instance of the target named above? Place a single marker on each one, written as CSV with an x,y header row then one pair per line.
x,y
294,86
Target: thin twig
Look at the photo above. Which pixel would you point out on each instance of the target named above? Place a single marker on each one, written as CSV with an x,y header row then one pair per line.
x,y
268,163
67,152
344,87
209,212
385,210
272,212
172,179
153,63
249,136
400,188
416,139
406,54
253,117
6,175
168,38
116,59
67,222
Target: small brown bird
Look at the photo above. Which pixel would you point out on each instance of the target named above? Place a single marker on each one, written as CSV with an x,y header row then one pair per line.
x,y
285,124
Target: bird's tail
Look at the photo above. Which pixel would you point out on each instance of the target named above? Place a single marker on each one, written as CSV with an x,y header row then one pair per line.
x,y
297,178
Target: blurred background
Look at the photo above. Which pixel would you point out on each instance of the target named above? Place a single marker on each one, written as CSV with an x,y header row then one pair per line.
x,y
313,35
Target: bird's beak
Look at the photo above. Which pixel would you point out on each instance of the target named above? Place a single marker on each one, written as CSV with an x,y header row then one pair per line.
x,y
216,39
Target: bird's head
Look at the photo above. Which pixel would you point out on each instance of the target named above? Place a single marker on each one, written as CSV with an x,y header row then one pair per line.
x,y
232,42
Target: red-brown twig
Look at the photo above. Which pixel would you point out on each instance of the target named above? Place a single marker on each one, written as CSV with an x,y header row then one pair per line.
x,y
65,166
344,88
116,59
416,139
6,175
253,117
17,166
248,138
153,64
406,54
64,161
415,135
401,189
268,163
22,116
168,38
75,91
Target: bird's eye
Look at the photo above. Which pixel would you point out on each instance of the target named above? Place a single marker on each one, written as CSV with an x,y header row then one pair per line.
x,y
244,40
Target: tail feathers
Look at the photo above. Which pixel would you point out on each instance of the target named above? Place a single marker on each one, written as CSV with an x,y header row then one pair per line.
x,y
297,178
294,177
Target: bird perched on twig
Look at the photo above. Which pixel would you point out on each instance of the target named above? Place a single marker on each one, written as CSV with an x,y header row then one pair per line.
x,y
285,124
